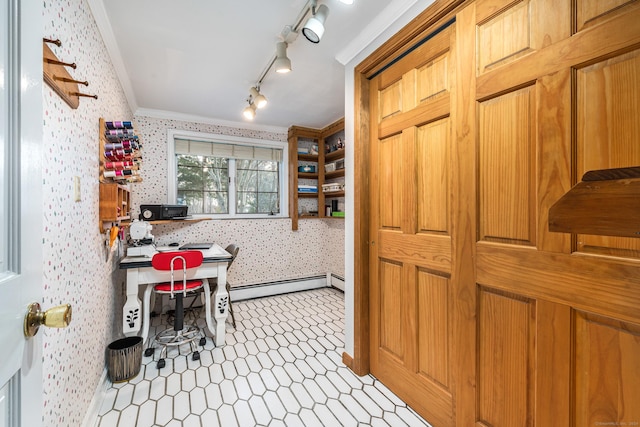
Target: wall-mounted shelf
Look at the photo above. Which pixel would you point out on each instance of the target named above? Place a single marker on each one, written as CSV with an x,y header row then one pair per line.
x,y
606,202
170,221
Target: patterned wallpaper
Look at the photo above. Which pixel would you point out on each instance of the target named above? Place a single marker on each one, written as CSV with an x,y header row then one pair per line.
x,y
269,250
78,269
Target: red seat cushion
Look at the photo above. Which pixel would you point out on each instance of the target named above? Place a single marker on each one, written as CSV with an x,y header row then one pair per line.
x,y
177,286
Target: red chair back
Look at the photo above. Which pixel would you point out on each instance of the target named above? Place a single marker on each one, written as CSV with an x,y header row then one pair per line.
x,y
166,260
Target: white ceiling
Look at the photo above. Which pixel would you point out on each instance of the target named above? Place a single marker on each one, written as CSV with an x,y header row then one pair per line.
x,y
198,58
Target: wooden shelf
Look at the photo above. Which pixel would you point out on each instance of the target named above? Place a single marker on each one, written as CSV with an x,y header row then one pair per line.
x,y
307,175
329,136
333,194
606,203
171,221
335,174
334,155
308,157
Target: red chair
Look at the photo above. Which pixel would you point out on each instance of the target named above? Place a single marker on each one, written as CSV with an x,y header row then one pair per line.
x,y
182,265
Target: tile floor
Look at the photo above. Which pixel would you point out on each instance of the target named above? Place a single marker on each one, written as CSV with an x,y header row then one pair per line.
x,y
281,367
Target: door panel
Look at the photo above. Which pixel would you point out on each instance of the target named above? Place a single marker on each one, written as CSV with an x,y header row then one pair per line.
x,y
505,359
607,371
507,164
610,91
20,209
411,251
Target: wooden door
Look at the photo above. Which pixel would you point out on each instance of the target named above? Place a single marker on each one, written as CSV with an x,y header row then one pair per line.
x,y
556,86
410,253
479,315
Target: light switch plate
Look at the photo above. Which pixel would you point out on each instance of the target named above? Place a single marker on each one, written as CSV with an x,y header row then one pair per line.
x,y
76,189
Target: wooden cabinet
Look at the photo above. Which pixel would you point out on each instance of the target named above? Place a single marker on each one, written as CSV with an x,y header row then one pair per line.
x,y
114,202
329,150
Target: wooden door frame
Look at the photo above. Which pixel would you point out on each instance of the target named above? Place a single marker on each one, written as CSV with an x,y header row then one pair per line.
x,y
384,56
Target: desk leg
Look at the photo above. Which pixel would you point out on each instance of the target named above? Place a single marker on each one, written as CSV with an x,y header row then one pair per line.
x,y
131,311
220,305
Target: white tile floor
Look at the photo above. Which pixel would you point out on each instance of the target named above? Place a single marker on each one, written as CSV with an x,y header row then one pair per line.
x,y
281,367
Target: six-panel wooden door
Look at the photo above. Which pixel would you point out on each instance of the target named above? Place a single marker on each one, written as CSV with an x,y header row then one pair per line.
x,y
410,297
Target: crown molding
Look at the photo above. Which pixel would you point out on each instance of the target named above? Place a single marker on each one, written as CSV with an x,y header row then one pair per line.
x,y
172,115
108,38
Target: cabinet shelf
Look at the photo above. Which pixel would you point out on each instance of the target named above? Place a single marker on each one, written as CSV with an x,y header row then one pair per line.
x,y
308,195
333,194
307,175
308,157
335,174
334,155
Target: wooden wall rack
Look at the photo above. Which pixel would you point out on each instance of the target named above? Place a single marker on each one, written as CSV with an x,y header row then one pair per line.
x,y
606,203
55,74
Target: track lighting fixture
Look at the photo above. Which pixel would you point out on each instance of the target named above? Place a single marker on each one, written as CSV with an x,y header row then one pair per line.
x,y
259,99
282,64
314,28
249,112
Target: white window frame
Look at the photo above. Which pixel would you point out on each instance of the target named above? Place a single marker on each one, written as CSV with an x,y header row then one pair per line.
x,y
172,134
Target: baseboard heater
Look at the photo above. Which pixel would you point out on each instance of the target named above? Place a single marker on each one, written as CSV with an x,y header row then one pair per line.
x,y
260,290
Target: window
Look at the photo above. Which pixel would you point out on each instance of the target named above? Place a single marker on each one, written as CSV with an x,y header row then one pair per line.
x,y
227,177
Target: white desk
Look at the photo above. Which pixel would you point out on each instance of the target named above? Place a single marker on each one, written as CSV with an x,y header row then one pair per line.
x,y
140,272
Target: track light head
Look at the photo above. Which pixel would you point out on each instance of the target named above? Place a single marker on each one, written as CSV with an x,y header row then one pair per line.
x,y
258,99
249,112
314,27
282,64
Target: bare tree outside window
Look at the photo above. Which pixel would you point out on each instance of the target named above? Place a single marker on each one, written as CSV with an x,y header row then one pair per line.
x,y
203,185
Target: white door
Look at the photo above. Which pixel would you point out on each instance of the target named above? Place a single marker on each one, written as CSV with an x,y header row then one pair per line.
x,y
20,209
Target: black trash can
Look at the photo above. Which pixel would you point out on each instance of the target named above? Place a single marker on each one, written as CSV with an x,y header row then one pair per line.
x,y
124,359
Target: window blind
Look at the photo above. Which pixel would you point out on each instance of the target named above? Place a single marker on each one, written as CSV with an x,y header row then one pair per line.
x,y
230,151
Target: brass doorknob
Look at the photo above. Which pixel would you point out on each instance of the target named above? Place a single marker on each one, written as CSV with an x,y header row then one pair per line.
x,y
55,317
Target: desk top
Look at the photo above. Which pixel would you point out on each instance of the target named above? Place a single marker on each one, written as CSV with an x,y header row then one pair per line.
x,y
214,254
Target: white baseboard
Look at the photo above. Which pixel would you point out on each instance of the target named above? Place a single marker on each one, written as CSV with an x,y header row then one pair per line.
x,y
91,417
243,292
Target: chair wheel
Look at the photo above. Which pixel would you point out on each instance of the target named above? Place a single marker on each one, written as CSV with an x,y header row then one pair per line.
x,y
161,364
149,352
195,356
203,341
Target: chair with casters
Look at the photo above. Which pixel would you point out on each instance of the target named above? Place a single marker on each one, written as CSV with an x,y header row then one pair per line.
x,y
233,249
181,266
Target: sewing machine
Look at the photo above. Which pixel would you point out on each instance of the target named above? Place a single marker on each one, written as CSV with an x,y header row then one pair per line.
x,y
141,239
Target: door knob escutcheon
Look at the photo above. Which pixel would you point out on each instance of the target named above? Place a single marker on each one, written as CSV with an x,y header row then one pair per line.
x,y
55,317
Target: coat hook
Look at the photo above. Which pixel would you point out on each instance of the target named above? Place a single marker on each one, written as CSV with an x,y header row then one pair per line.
x,y
66,64
83,94
68,80
57,42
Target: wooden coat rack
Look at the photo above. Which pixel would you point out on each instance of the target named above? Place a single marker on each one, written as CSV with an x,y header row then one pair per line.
x,y
55,74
